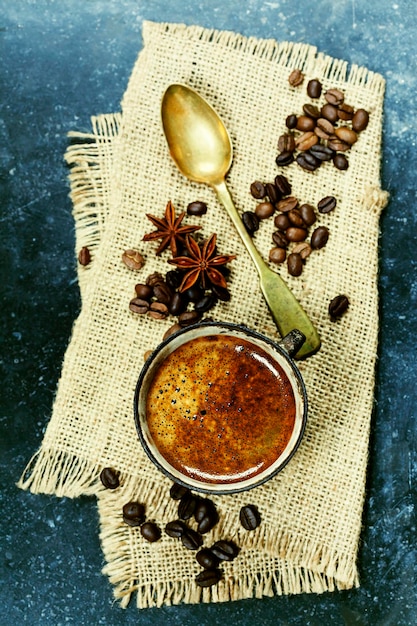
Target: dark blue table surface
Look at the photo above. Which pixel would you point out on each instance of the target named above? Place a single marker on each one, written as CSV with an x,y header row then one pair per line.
x,y
62,61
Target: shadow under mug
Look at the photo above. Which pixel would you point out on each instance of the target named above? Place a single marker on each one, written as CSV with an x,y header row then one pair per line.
x,y
261,351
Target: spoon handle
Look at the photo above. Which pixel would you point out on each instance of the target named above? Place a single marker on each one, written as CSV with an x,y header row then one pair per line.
x,y
286,311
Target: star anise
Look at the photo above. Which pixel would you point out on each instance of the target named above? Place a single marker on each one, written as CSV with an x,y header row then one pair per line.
x,y
201,264
169,230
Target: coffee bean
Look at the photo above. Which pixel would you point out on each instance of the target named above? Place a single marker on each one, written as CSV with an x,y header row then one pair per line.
x,y
294,264
330,112
144,292
314,88
197,208
334,96
133,259
158,311
155,279
177,491
208,577
163,293
305,123
321,152
326,126
311,111
249,517
173,279
319,237
291,121
110,478
203,507
306,140
191,539
225,550
346,134
336,144
296,234
221,293
303,249
188,318
277,255
272,193
206,303
137,305
187,505
286,143
308,214
208,522
284,158
338,306
282,221
327,204
250,221
308,161
287,204
171,330
150,531
296,78
345,112
360,120
194,293
282,184
207,559
257,190
279,239
84,256
175,529
134,513
177,304
340,162
264,210
295,218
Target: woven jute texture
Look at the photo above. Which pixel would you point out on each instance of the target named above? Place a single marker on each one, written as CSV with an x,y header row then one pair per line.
x,y
311,511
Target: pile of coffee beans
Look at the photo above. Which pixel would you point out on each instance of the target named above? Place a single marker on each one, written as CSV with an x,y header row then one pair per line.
x,y
323,131
293,221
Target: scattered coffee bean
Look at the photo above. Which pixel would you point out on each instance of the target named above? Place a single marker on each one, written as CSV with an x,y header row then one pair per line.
x,y
206,303
208,522
282,221
177,304
286,143
337,145
294,216
250,221
147,354
308,161
296,78
133,259
272,193
163,293
319,237
175,529
158,310
287,204
314,88
264,210
282,184
321,152
325,126
360,120
177,491
188,318
150,531
311,111
225,550
308,214
338,306
194,293
84,256
207,559
294,264
327,204
110,478
222,293
249,517
305,123
208,577
171,330
285,158
291,121
346,134
191,539
137,305
306,141
197,208
334,96
340,161
144,292
293,233
277,255
134,513
303,249
187,505
257,190
155,279
345,112
330,112
173,279
279,239
203,507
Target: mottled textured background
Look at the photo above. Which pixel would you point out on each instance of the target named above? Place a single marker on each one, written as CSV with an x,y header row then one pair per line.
x,y
62,61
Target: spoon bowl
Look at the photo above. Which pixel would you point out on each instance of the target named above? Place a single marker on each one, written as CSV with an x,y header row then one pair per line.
x,y
201,148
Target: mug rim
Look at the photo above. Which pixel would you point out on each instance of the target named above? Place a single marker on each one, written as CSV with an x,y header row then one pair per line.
x,y
221,488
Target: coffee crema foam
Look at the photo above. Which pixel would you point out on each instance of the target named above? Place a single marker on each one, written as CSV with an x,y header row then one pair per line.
x,y
220,409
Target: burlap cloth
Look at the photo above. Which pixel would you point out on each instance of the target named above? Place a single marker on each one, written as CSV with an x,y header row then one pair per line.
x,y
311,512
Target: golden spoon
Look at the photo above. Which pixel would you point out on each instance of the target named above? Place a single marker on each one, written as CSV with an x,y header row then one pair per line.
x,y
201,148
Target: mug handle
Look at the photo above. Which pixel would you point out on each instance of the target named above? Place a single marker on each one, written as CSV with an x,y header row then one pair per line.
x,y
292,342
